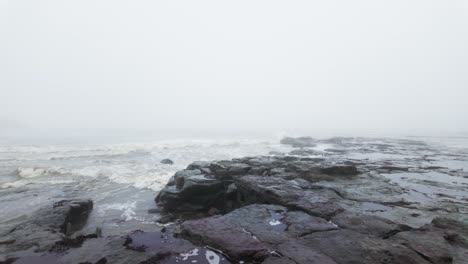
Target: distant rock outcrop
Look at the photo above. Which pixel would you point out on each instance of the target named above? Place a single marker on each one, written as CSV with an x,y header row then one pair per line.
x,y
167,162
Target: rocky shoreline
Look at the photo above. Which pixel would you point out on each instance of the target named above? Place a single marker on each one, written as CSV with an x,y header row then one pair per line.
x,y
293,208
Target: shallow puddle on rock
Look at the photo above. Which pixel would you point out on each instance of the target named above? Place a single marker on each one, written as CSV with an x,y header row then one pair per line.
x,y
275,222
431,185
45,259
198,256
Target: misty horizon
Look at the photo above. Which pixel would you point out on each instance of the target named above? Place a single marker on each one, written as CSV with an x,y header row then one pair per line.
x,y
74,69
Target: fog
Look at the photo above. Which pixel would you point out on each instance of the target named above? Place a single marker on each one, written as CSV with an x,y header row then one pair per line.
x,y
195,67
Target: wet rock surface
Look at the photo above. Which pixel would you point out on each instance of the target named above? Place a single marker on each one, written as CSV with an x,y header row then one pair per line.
x,y
332,201
48,226
301,208
167,161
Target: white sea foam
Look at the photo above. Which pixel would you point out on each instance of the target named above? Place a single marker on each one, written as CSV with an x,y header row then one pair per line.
x,y
135,164
192,253
275,222
127,210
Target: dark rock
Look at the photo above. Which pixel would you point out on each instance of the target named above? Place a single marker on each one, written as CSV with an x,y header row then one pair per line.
x,y
346,246
274,224
262,221
65,216
189,190
278,260
156,242
455,232
43,259
49,225
367,224
167,162
196,255
317,202
431,245
277,209
100,261
68,243
154,211
389,168
300,224
221,233
299,142
340,170
302,254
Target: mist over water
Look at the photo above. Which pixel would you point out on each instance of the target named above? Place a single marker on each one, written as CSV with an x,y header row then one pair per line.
x,y
183,69
94,95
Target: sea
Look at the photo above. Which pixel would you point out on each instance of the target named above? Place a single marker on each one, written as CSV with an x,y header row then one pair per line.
x,y
123,179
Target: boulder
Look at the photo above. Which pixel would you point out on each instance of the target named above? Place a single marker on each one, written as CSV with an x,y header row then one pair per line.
x,y
167,161
49,225
189,191
66,216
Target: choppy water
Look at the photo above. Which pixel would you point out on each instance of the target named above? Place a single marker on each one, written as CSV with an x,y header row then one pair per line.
x,y
123,179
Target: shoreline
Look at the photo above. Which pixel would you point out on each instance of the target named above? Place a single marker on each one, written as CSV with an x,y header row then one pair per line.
x,y
301,207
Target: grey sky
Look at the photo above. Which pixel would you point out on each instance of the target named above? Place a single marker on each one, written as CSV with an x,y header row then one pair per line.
x,y
382,66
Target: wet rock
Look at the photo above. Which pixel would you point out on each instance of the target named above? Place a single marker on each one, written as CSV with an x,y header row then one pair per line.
x,y
44,259
295,206
196,255
275,224
278,260
226,235
49,225
100,261
300,224
65,216
445,223
156,242
68,243
388,168
167,162
317,202
154,211
340,170
189,190
302,254
367,224
198,165
346,246
299,142
431,245
262,221
209,185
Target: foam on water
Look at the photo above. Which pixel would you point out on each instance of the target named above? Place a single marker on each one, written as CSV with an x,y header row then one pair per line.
x,y
135,164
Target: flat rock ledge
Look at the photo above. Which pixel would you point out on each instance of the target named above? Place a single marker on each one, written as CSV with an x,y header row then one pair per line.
x,y
286,209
